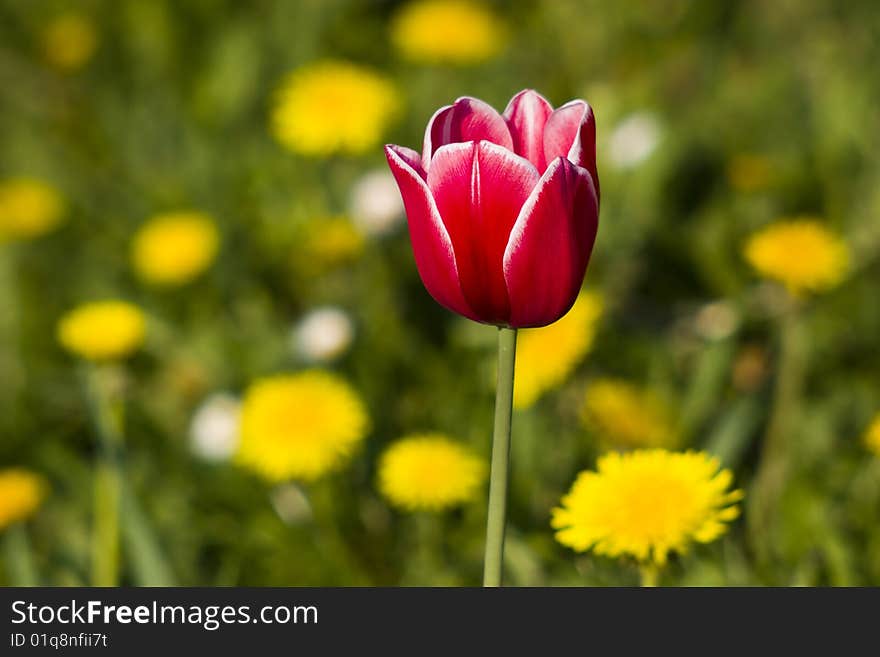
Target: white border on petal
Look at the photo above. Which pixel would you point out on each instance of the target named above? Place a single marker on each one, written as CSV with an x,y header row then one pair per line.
x,y
435,213
427,144
489,146
519,226
575,151
509,107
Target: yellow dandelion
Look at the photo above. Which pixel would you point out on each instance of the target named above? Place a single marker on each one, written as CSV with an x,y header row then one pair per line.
x,y
646,504
69,41
328,242
802,254
28,208
748,172
624,415
430,472
21,493
333,107
175,247
872,435
447,31
546,356
103,330
300,426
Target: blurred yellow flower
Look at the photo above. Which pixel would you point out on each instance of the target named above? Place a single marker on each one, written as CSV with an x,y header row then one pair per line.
x,y
624,415
430,472
748,172
175,247
872,435
69,41
546,356
21,493
646,504
447,31
333,107
28,208
329,242
802,254
102,330
300,426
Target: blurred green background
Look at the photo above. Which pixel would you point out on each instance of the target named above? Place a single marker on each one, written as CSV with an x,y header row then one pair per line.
x,y
714,120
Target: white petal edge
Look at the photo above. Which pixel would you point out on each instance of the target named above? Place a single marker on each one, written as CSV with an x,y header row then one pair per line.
x,y
519,226
435,213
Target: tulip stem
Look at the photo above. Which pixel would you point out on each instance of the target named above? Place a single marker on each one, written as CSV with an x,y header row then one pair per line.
x,y
492,564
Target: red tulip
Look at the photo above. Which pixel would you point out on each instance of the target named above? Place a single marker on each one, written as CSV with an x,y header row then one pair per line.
x,y
503,209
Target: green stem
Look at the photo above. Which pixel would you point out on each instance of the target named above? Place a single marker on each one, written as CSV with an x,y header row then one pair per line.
x,y
107,415
425,566
11,363
492,564
17,553
425,532
650,575
143,553
776,449
706,387
105,531
324,497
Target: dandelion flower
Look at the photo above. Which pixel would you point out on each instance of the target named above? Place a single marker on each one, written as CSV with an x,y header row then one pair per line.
x,y
300,426
446,31
69,42
102,330
627,416
21,493
872,435
333,107
175,247
802,254
28,208
646,504
430,472
546,356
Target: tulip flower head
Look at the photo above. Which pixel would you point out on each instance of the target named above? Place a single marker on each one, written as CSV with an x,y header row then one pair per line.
x,y
503,208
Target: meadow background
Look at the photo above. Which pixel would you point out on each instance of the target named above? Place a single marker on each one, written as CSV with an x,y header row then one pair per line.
x,y
714,120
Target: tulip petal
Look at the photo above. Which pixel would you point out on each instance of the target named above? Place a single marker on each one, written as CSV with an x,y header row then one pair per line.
x,y
526,115
468,119
571,132
410,157
550,245
479,189
431,244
